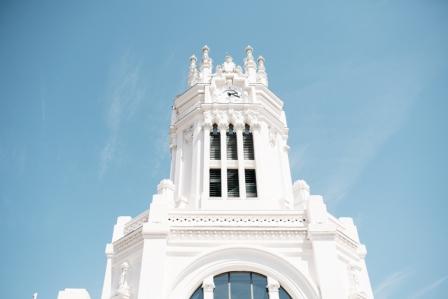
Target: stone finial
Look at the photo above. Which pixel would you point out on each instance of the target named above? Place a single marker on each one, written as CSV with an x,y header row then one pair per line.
x,y
229,66
249,53
262,76
193,74
35,296
205,53
249,65
206,66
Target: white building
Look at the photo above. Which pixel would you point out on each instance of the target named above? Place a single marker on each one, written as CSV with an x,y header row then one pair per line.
x,y
229,223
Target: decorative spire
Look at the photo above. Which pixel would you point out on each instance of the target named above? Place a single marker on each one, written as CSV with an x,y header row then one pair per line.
x,y
206,67
193,74
262,77
249,64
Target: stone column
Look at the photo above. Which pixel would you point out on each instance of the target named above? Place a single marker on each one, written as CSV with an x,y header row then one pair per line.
x,y
208,286
286,172
273,286
257,136
223,133
196,165
207,126
155,233
241,176
107,284
322,234
179,167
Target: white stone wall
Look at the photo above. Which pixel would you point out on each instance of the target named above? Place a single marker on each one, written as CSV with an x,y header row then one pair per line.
x,y
186,237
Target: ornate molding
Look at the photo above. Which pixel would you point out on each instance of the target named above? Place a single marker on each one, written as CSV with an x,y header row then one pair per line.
x,y
234,234
136,223
237,220
188,134
128,241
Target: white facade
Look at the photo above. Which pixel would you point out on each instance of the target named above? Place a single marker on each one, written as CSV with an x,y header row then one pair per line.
x,y
257,221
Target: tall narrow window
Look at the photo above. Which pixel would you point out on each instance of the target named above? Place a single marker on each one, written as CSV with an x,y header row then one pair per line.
x,y
248,144
232,153
233,186
215,182
251,183
215,143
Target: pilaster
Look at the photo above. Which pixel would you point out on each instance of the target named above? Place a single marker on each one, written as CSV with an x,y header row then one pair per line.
x,y
207,126
273,286
223,130
241,175
208,286
107,284
155,235
322,235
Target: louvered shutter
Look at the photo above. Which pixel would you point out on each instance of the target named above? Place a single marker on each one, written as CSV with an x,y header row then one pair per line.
x,y
248,144
215,144
233,188
251,183
232,153
215,182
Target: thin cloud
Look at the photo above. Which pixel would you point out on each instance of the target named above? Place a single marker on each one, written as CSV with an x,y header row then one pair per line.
x,y
421,293
126,93
378,97
385,289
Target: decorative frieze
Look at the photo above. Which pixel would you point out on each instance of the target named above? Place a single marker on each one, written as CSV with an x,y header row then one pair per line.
x,y
128,241
237,220
235,234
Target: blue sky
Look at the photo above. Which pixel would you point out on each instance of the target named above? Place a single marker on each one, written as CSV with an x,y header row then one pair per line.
x,y
85,95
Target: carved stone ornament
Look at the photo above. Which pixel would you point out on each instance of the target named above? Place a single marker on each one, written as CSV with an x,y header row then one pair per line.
x,y
273,285
193,75
208,120
208,285
252,119
272,136
188,134
229,66
237,119
353,271
123,290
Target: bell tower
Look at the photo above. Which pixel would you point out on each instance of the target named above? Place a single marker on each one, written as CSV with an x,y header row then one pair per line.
x,y
228,137
229,222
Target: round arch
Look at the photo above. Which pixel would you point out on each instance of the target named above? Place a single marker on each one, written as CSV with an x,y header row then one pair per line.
x,y
247,258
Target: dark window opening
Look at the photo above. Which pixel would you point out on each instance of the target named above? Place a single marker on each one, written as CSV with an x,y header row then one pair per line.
x,y
251,182
215,143
215,182
248,144
233,186
232,152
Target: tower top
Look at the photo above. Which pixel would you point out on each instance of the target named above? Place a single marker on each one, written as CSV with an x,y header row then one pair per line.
x,y
252,72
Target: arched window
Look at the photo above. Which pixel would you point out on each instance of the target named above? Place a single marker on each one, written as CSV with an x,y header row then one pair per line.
x,y
215,143
240,285
232,152
248,144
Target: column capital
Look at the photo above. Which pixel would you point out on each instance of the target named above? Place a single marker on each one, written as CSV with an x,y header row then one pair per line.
x,y
223,125
273,285
208,285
